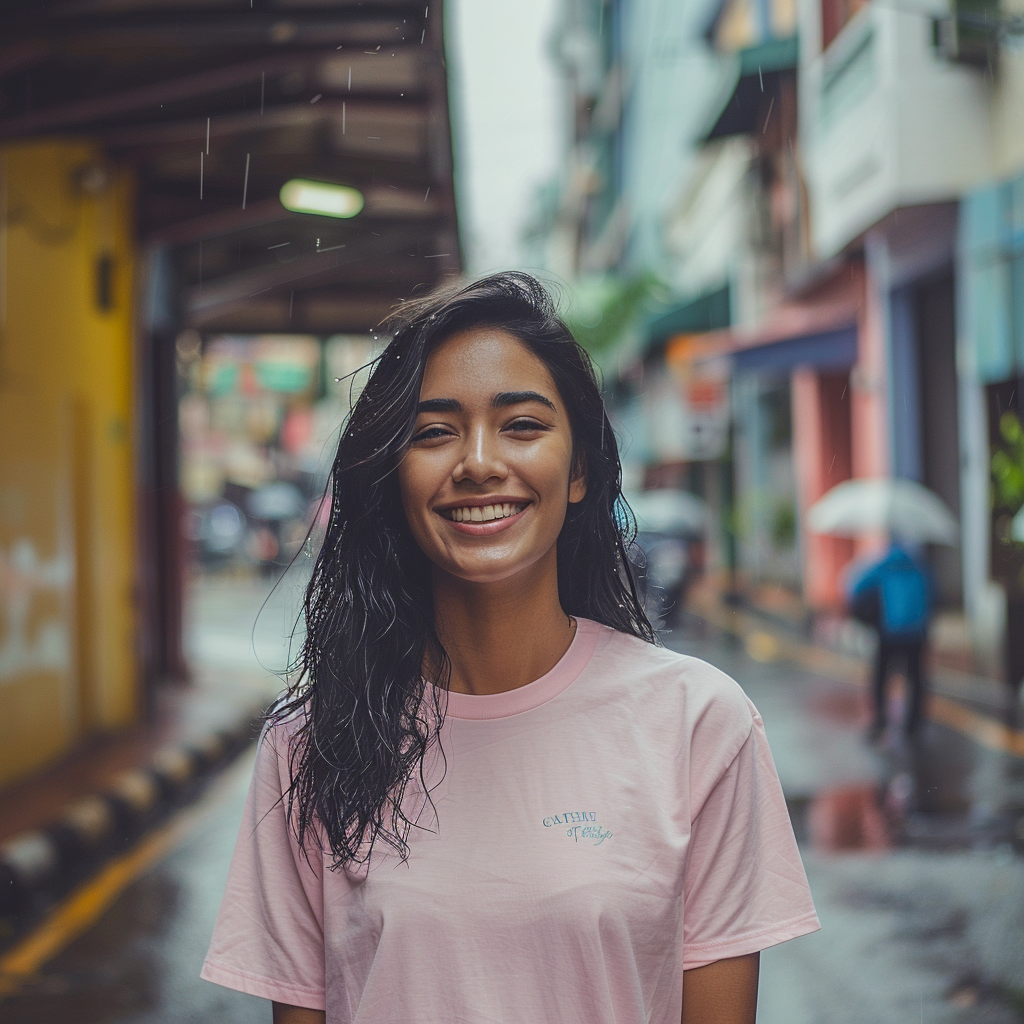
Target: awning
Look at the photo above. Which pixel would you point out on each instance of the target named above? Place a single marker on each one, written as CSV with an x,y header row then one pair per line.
x,y
755,88
708,312
827,350
820,334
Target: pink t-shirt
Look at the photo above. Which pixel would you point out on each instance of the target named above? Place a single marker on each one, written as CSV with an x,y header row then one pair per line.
x,y
597,832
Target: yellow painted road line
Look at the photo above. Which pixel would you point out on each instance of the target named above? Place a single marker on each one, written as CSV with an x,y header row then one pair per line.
x,y
762,645
983,730
87,904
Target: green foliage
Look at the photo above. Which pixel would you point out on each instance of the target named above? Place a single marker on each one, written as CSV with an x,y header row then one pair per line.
x,y
603,312
1008,466
783,525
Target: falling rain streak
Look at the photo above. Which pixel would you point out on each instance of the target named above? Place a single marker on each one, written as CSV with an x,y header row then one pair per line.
x,y
245,183
207,136
200,174
342,117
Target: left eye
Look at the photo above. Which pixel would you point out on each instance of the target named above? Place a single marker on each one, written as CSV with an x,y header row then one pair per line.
x,y
523,425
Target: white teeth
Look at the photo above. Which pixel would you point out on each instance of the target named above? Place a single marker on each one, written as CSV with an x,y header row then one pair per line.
x,y
484,513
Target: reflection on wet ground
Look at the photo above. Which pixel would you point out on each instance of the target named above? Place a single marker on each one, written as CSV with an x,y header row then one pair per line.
x,y
937,791
846,818
912,849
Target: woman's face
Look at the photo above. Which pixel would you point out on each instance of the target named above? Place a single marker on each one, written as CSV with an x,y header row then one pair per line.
x,y
487,476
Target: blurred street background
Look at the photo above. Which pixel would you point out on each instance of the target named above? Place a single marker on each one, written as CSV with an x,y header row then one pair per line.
x,y
791,235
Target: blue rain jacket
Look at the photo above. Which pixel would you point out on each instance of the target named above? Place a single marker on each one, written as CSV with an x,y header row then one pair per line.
x,y
904,589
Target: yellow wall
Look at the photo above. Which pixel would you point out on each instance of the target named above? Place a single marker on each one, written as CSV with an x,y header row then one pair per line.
x,y
67,526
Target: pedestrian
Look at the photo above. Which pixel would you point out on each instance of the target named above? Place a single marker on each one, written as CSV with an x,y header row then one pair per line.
x,y
893,594
491,796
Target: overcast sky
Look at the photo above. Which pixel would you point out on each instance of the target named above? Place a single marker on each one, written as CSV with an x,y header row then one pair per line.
x,y
507,111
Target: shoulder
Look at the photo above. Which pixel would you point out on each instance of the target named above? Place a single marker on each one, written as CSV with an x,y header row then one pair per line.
x,y
664,685
279,742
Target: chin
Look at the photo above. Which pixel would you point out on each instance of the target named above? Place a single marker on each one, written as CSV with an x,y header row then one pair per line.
x,y
483,575
490,570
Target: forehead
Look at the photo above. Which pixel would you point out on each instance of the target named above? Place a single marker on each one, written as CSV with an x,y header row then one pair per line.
x,y
484,360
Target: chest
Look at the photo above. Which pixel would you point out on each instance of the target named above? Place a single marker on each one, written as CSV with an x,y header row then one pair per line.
x,y
573,832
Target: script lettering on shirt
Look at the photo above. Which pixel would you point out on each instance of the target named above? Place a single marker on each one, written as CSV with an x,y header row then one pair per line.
x,y
591,832
595,833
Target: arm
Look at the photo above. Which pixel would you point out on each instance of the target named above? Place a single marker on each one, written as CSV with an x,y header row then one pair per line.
x,y
724,992
284,1014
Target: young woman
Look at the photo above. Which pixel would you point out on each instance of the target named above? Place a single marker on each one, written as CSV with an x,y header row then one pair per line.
x,y
492,797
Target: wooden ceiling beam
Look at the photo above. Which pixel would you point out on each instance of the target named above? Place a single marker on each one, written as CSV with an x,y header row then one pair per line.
x,y
305,272
194,29
369,74
329,112
286,314
381,201
140,97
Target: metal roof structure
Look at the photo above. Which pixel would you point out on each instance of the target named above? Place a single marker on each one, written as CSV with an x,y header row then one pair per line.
x,y
217,103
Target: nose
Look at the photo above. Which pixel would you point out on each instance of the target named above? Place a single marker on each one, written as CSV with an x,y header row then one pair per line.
x,y
481,458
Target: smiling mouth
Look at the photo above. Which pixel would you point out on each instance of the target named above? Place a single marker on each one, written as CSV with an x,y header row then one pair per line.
x,y
483,513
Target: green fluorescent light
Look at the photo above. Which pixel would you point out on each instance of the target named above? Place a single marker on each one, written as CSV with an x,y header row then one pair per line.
x,y
302,196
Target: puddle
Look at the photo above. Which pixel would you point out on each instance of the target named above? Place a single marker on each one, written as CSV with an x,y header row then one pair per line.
x,y
847,818
876,818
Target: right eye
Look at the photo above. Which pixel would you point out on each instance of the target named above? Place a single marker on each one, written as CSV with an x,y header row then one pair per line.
x,y
431,434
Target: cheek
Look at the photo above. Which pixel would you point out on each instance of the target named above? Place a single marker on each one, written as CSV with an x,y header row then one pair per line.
x,y
420,475
550,470
410,488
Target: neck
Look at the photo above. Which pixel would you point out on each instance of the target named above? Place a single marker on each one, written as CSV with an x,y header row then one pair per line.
x,y
500,636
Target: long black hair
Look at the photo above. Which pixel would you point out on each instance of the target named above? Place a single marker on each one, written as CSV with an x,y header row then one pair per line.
x,y
366,716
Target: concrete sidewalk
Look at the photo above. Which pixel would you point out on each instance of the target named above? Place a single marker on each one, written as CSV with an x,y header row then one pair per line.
x,y
60,825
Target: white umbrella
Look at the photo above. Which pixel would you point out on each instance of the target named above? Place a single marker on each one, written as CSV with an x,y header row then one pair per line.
x,y
901,507
668,511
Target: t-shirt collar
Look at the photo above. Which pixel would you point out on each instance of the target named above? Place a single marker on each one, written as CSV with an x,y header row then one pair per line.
x,y
532,695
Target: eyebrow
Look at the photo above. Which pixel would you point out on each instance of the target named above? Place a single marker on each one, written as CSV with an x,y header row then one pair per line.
x,y
500,401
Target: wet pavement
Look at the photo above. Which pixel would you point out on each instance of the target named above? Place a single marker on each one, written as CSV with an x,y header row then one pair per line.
x,y
914,852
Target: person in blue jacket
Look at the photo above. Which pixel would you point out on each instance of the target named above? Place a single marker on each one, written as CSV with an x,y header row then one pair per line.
x,y
894,594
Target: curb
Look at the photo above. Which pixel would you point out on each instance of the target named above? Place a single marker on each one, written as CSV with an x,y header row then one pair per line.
x,y
48,861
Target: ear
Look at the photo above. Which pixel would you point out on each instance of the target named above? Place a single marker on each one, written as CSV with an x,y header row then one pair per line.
x,y
578,481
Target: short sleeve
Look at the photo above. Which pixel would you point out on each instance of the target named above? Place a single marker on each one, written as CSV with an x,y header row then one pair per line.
x,y
268,940
745,887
